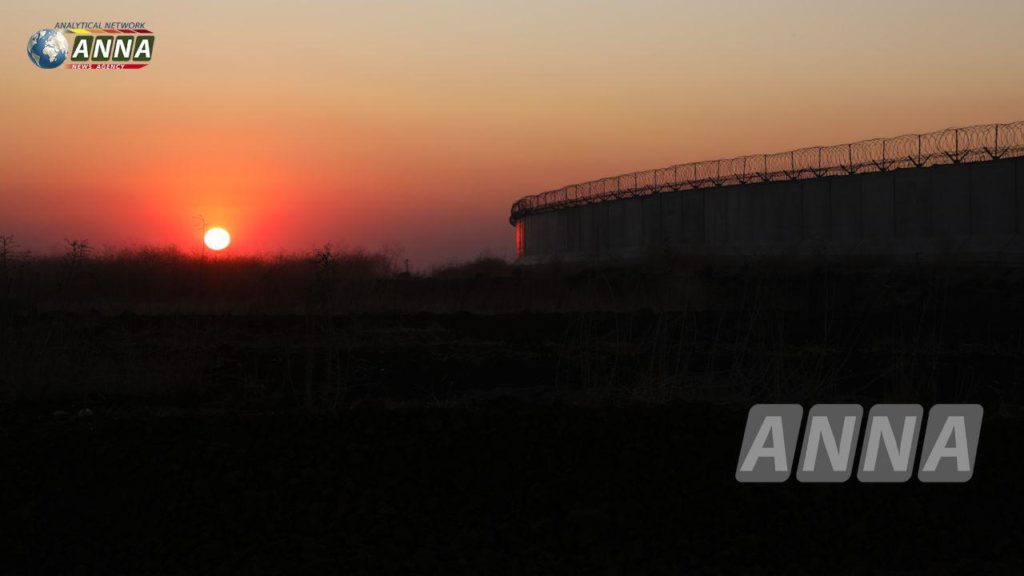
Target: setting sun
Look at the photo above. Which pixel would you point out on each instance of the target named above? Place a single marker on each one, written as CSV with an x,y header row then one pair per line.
x,y
217,238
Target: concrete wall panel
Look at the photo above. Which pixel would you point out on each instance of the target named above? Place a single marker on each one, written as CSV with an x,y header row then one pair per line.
x,y
877,229
653,233
672,218
588,229
993,198
552,234
633,224
846,208
694,217
784,213
570,230
950,200
914,204
757,206
716,217
738,215
817,214
536,243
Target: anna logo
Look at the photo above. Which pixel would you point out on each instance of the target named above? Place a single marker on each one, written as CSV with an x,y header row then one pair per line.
x,y
116,46
830,442
134,46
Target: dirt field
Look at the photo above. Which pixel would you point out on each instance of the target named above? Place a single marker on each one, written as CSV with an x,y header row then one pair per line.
x,y
506,487
495,422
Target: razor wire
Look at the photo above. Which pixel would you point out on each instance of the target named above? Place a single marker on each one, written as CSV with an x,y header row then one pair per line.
x,y
949,146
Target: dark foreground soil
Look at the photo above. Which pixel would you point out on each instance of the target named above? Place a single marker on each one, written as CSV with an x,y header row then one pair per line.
x,y
501,487
553,439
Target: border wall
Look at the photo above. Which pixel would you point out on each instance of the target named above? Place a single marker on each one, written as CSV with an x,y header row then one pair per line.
x,y
965,209
967,203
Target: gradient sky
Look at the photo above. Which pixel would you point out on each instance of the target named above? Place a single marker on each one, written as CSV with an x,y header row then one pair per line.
x,y
414,125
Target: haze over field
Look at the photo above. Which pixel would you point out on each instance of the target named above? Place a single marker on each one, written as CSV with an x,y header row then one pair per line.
x,y
417,124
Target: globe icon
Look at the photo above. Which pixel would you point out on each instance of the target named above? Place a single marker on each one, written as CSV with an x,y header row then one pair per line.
x,y
47,48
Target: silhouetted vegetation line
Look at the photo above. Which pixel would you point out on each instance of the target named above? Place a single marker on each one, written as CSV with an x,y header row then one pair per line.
x,y
330,281
333,329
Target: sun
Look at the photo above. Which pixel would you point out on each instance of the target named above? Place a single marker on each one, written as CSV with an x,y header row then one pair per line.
x,y
217,238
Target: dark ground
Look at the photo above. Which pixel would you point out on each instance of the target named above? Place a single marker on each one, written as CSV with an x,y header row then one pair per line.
x,y
501,488
514,433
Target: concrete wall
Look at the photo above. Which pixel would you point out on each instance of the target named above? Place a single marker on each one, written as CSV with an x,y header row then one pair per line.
x,y
967,209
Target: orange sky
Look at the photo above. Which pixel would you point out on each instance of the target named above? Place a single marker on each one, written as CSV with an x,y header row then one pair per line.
x,y
414,125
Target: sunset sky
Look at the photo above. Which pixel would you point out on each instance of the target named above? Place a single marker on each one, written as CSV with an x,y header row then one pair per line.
x,y
414,125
